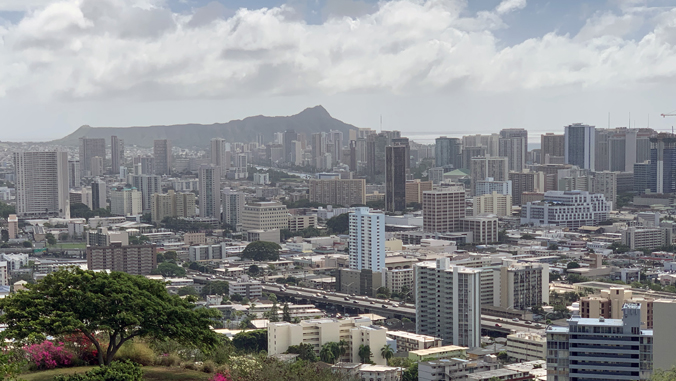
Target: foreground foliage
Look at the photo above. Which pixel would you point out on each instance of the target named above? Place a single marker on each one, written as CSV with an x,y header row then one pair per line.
x,y
116,371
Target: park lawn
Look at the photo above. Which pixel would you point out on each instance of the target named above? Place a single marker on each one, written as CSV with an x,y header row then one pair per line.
x,y
153,373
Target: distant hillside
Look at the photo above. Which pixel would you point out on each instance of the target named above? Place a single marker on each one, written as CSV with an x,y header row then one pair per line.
x,y
310,120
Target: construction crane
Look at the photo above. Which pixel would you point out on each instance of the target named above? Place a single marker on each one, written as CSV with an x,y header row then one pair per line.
x,y
665,115
672,113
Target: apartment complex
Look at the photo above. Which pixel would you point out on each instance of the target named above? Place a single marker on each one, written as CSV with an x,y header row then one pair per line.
x,y
210,191
484,228
367,239
89,149
608,304
162,155
526,346
345,192
520,286
148,185
104,237
42,184
494,203
495,167
443,209
448,302
415,189
407,341
172,204
116,154
246,287
579,145
552,148
265,215
232,205
647,238
601,349
135,260
571,209
126,202
513,144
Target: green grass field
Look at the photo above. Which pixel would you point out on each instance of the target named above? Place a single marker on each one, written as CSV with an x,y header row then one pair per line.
x,y
153,373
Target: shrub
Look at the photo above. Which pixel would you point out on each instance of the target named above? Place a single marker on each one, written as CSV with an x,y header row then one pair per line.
x,y
46,355
116,371
189,365
168,359
136,351
221,377
208,367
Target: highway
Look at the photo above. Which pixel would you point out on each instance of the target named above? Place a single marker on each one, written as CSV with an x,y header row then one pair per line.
x,y
388,309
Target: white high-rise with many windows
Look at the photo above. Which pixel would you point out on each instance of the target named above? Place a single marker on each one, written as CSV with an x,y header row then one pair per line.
x,y
42,184
367,239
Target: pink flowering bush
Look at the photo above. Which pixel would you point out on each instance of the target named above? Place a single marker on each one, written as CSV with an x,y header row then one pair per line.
x,y
221,377
47,355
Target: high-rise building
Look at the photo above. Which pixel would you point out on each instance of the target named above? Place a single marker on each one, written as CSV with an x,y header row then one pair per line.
x,y
448,302
233,206
447,152
172,204
618,149
135,260
526,181
376,156
664,314
489,185
470,152
162,156
571,209
606,183
494,203
126,202
116,154
99,194
345,192
220,154
143,165
395,178
210,191
443,209
519,286
148,185
367,240
74,174
552,148
490,142
580,145
601,349
662,175
289,149
513,145
415,189
42,184
489,166
642,176
335,138
265,215
96,166
90,148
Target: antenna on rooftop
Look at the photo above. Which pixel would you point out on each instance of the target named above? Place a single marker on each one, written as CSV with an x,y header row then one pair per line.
x,y
381,122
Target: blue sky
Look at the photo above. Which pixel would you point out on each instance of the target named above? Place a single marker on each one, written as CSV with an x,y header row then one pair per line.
x,y
429,67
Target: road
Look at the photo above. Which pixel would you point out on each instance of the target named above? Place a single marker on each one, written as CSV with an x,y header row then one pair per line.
x,y
389,309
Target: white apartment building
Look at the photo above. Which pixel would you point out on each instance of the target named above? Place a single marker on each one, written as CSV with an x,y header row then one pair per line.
x,y
265,215
317,332
647,238
397,278
367,239
490,185
13,226
125,202
233,207
42,184
408,341
246,287
484,228
210,191
448,302
571,209
526,346
300,222
14,261
519,286
493,203
206,252
172,204
4,277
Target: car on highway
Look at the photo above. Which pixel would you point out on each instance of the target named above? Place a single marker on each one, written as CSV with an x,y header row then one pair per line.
x,y
355,301
498,325
538,325
346,298
527,322
384,306
515,320
325,297
373,302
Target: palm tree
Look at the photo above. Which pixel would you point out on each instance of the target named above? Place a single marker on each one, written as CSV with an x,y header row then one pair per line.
x,y
326,353
365,354
387,352
343,346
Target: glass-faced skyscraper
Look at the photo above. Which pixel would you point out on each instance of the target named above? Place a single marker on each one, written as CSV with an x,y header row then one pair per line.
x,y
579,145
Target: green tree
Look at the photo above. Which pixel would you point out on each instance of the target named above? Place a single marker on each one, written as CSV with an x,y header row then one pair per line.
x,y
251,341
383,292
6,210
254,270
170,255
187,290
5,235
160,258
410,374
304,351
387,352
527,236
286,314
274,312
326,354
365,354
51,240
108,309
169,270
664,375
553,247
261,251
339,224
573,265
217,287
27,244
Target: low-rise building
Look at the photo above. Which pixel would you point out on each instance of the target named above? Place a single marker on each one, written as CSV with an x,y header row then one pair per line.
x,y
135,260
246,287
647,238
407,341
526,346
434,353
452,369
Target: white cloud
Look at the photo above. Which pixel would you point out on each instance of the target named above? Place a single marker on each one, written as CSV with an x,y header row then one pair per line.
x,y
105,49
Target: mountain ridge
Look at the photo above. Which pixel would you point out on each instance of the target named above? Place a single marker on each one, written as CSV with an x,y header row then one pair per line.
x,y
310,120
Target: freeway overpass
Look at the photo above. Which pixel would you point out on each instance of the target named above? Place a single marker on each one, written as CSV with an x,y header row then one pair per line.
x,y
386,308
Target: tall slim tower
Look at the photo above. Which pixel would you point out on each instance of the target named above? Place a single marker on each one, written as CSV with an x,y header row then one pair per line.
x,y
220,153
552,148
367,239
74,174
579,145
447,152
210,191
395,179
90,148
162,155
42,183
289,149
233,205
116,154
513,145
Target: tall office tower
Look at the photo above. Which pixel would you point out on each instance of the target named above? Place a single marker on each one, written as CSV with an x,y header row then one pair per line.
x,y
579,145
601,349
162,156
318,148
489,166
74,174
210,191
289,150
526,181
42,184
447,152
345,192
220,154
367,239
662,176
144,165
353,156
395,179
116,154
448,302
89,148
641,177
125,202
470,152
99,194
552,148
513,145
336,138
618,149
376,157
148,185
606,183
443,209
233,205
407,155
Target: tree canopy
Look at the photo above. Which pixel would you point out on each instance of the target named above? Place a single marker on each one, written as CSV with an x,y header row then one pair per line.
x,y
169,270
80,210
107,308
261,251
339,224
